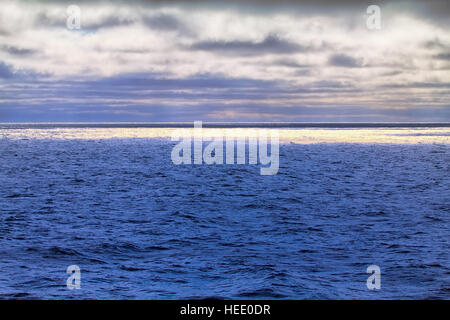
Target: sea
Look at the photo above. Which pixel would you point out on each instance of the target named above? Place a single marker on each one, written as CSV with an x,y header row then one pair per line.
x,y
108,199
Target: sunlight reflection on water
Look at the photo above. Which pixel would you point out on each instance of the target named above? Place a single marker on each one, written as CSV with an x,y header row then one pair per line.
x,y
292,135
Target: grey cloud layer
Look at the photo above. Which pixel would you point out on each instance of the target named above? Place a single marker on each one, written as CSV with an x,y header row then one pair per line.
x,y
343,60
17,51
209,98
436,10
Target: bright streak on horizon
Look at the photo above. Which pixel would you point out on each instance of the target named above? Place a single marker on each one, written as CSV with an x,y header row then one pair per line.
x,y
297,135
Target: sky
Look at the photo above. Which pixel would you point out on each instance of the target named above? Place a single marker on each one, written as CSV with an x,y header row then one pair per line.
x,y
250,60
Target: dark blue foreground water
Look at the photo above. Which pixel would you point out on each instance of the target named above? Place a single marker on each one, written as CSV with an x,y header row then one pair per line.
x,y
140,227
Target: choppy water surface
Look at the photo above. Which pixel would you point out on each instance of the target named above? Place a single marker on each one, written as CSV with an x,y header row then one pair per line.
x,y
140,227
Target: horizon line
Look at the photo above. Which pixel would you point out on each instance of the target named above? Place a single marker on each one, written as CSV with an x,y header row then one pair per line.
x,y
215,124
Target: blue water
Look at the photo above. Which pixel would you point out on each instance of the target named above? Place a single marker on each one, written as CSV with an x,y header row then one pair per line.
x,y
140,227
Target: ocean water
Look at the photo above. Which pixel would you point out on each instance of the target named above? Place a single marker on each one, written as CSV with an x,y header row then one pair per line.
x,y
110,200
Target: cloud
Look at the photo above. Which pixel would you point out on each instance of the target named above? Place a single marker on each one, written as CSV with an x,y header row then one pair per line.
x,y
150,81
418,85
270,45
17,51
148,97
268,59
45,19
164,22
90,20
343,60
435,44
291,63
108,22
442,56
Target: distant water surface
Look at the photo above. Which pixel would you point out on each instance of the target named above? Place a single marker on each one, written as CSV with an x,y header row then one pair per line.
x,y
306,134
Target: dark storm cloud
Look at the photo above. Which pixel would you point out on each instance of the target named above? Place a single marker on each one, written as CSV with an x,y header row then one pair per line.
x,y
343,60
5,71
270,45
